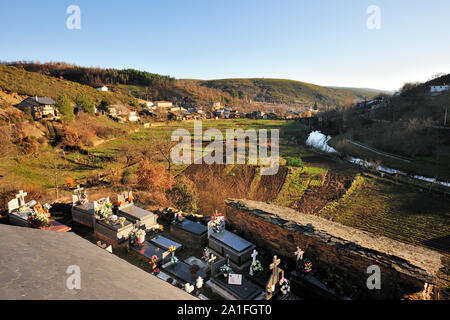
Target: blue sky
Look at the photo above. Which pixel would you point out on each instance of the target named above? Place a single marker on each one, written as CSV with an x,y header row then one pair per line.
x,y
324,42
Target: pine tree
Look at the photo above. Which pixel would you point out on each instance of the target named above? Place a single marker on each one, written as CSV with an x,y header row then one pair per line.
x,y
64,106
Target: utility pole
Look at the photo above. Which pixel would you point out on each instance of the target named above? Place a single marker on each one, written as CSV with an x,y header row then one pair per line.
x,y
445,117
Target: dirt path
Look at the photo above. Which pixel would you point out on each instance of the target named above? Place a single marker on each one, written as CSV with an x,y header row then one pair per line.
x,y
381,153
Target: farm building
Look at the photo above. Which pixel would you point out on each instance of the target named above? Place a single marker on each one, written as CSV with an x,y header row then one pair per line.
x,y
39,107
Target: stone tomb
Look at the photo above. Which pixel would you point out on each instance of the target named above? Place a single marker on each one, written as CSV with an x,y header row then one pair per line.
x,y
192,233
148,250
165,243
18,212
135,214
182,271
82,210
109,230
225,243
218,283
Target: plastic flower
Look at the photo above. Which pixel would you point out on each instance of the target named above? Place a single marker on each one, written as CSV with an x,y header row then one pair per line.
x,y
172,248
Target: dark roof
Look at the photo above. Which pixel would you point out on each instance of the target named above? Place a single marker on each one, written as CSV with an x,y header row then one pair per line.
x,y
37,101
34,262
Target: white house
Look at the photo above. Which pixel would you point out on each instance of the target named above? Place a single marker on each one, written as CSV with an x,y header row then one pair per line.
x,y
163,104
435,89
132,117
104,88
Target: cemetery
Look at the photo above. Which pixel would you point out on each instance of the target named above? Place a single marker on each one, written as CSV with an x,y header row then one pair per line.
x,y
253,252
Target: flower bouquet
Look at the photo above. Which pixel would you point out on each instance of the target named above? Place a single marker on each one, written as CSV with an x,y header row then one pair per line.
x,y
38,217
257,266
154,262
284,286
172,250
206,254
121,221
307,266
217,222
140,237
104,211
225,270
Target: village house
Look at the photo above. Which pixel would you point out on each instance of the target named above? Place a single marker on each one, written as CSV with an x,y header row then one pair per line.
x,y
104,89
39,108
439,89
163,104
121,113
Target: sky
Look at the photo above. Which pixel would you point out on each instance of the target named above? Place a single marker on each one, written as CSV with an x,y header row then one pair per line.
x,y
324,42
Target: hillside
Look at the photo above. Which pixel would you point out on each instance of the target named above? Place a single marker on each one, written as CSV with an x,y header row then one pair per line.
x,y
410,125
287,91
239,92
17,81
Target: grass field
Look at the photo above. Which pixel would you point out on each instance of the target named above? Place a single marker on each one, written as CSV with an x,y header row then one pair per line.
x,y
395,211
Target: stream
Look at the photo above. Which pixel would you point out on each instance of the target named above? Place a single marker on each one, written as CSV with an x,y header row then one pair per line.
x,y
318,140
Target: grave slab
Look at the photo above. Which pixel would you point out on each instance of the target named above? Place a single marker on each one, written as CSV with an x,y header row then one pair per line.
x,y
238,249
190,232
148,250
165,243
180,270
246,291
115,233
136,214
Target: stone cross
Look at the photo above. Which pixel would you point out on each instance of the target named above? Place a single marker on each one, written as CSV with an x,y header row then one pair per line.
x,y
78,190
212,259
274,278
253,255
299,254
21,197
209,229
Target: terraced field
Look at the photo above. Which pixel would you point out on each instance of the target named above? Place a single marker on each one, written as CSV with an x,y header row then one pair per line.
x,y
395,211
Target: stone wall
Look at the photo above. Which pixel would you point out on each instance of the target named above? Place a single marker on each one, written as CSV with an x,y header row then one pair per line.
x,y
280,230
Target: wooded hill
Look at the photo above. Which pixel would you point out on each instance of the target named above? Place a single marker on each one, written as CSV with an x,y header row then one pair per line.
x,y
287,91
150,86
19,81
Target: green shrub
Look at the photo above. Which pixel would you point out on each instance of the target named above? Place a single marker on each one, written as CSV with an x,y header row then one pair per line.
x,y
184,196
294,162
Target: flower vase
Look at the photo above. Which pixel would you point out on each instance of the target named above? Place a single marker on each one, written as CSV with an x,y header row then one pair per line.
x,y
140,241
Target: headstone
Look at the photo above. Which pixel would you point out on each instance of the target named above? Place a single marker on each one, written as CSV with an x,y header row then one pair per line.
x,y
190,232
299,254
82,210
275,278
133,213
18,210
254,255
21,197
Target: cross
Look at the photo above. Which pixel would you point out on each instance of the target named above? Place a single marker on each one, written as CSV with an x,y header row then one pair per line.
x,y
212,259
299,254
253,255
21,197
274,267
78,190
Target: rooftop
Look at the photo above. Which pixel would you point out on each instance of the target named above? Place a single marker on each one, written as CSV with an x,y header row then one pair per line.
x,y
34,262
